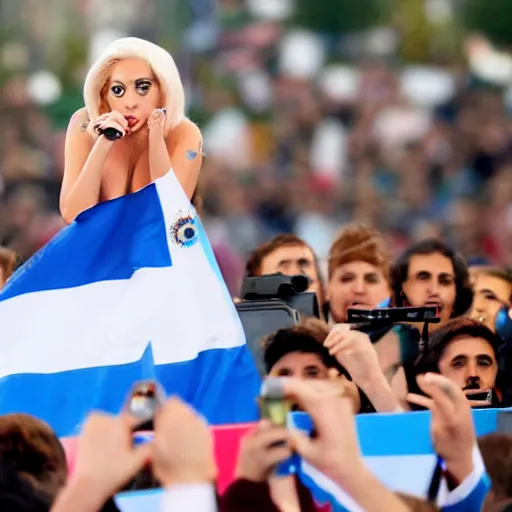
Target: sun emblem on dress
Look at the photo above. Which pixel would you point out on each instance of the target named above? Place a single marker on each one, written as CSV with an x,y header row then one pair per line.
x,y
185,232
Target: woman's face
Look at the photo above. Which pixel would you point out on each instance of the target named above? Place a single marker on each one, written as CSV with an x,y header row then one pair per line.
x,y
356,285
133,91
490,295
308,366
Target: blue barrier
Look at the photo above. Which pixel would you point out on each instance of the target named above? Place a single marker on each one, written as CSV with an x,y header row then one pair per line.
x,y
397,447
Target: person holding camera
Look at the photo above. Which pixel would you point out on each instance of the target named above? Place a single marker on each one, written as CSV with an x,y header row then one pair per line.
x,y
181,457
358,272
289,255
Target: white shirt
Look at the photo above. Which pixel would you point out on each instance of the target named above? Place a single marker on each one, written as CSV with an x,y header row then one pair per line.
x,y
196,497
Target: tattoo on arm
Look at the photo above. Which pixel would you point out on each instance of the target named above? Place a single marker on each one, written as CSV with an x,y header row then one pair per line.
x,y
85,123
191,154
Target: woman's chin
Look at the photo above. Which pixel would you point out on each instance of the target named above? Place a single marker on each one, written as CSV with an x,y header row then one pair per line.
x,y
138,128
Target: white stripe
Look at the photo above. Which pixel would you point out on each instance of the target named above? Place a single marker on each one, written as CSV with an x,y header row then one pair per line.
x,y
111,322
182,310
410,474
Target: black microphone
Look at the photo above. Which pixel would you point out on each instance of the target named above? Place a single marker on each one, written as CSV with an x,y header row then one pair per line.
x,y
110,133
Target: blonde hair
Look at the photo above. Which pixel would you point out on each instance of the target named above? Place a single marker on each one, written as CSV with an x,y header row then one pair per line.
x,y
162,65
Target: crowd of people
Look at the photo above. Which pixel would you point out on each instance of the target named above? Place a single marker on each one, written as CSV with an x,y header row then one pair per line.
x,y
428,195
326,368
301,153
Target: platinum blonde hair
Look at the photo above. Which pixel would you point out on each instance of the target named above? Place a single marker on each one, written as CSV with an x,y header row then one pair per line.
x,y
162,65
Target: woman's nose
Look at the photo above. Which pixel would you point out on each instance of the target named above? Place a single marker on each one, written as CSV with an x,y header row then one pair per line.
x,y
130,100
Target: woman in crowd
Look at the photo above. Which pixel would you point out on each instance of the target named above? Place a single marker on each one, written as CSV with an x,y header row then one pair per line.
x,y
358,272
132,129
492,288
359,277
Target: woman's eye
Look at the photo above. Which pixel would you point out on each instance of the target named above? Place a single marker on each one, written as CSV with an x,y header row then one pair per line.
x,y
117,90
143,88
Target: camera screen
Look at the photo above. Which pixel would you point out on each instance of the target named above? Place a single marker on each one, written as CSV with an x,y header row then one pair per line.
x,y
259,322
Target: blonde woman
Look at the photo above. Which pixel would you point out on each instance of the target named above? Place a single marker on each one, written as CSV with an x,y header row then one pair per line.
x,y
132,129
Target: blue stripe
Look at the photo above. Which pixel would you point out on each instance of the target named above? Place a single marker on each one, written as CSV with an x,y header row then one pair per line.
x,y
475,500
108,242
221,384
139,501
401,434
321,496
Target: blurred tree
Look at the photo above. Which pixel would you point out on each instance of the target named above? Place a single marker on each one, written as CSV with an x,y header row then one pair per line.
x,y
334,16
492,17
410,18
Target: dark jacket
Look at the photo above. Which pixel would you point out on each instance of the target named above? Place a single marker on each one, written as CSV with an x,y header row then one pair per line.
x,y
247,496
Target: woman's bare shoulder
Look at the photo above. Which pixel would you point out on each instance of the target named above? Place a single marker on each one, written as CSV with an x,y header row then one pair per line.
x,y
79,121
186,129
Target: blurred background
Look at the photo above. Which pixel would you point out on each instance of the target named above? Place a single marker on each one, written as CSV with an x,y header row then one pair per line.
x,y
314,113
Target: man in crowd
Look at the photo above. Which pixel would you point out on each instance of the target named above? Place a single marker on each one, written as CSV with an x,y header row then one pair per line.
x,y
466,352
289,255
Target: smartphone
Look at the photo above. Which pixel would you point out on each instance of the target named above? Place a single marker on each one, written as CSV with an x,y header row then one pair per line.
x,y
480,396
276,407
143,402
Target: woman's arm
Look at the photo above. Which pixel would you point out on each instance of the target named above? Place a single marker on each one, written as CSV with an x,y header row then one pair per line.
x,y
83,166
181,150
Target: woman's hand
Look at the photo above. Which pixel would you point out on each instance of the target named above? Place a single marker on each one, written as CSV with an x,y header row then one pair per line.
x,y
156,122
111,119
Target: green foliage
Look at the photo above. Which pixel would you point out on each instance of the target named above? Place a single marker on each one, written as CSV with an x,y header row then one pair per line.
x,y
335,16
491,17
72,60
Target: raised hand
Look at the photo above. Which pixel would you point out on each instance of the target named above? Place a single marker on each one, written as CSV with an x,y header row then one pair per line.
x,y
113,120
106,458
156,121
183,446
261,450
353,350
453,433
